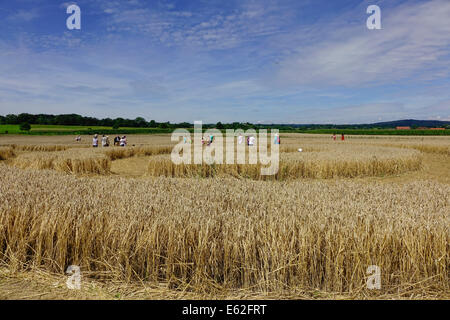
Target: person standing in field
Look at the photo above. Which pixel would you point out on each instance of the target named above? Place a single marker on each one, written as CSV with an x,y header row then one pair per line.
x,y
107,141
251,141
123,141
240,138
95,141
334,136
211,139
104,141
342,137
117,141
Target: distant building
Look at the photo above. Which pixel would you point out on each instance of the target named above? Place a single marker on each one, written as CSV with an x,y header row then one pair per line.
x,y
437,128
403,128
422,128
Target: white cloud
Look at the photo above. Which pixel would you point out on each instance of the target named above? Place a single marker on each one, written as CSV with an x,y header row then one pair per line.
x,y
24,15
414,43
202,29
64,5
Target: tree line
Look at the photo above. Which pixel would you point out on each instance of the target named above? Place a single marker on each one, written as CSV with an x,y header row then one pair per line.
x,y
78,120
26,119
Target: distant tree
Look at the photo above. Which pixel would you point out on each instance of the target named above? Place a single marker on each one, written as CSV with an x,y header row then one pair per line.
x,y
235,125
128,123
118,122
41,119
219,125
107,122
11,119
140,122
184,125
164,125
25,117
152,124
25,126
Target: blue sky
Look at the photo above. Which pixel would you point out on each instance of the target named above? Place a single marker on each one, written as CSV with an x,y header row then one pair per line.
x,y
262,61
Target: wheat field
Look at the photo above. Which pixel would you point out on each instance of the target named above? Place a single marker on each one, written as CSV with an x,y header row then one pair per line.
x,y
213,230
330,162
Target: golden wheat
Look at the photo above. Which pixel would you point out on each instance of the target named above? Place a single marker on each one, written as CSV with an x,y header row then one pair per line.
x,y
336,161
76,161
121,152
227,234
214,235
42,148
427,148
6,153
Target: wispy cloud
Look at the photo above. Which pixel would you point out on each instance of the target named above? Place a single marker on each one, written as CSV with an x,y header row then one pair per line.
x,y
204,28
414,44
24,15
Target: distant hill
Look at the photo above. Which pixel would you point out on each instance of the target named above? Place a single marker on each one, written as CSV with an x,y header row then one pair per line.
x,y
411,123
381,125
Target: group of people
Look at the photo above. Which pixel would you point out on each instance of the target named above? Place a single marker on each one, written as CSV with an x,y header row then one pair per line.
x,y
118,141
208,141
251,139
342,137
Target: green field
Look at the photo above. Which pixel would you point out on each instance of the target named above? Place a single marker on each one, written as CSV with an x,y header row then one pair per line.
x,y
37,129
383,132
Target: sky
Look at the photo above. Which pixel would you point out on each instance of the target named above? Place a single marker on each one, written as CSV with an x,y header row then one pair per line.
x,y
261,61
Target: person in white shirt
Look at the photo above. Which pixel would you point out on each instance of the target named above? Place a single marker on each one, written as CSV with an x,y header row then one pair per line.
x,y
251,141
240,139
123,141
104,141
95,141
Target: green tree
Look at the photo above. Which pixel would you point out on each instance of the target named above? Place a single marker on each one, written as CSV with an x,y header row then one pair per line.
x,y
11,119
140,122
25,126
117,123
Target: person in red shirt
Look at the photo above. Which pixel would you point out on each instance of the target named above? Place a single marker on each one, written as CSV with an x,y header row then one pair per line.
x,y
342,137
